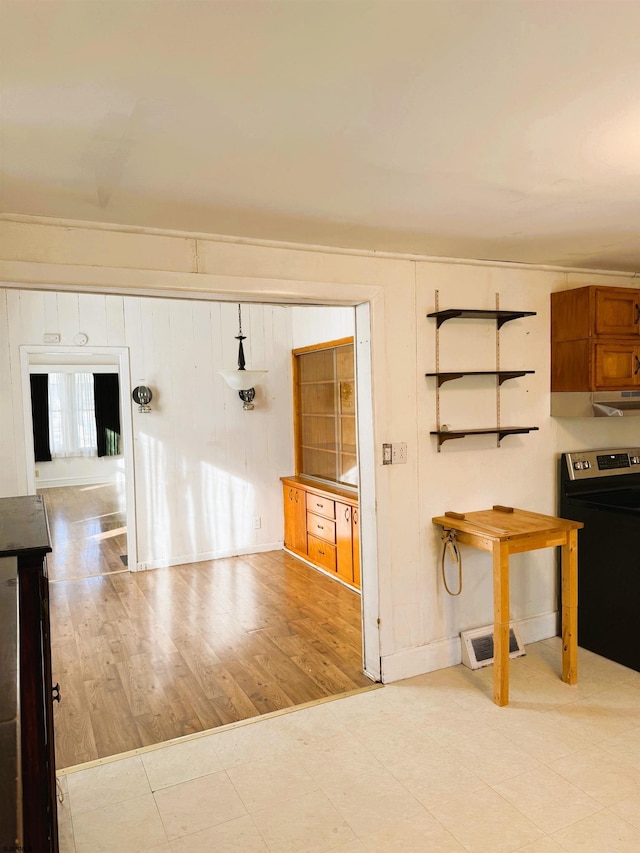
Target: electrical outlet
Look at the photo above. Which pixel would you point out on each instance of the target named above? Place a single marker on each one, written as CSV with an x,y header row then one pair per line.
x,y
37,473
399,453
51,338
386,454
257,523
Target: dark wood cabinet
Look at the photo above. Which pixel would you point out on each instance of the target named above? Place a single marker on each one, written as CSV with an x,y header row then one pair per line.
x,y
595,339
24,535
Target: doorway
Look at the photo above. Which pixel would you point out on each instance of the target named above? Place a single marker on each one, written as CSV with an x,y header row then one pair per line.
x,y
90,500
159,325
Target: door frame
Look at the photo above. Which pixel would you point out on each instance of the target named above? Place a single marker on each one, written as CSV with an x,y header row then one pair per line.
x,y
121,360
320,295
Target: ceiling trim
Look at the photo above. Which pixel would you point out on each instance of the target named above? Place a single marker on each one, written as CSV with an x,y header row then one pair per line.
x,y
301,247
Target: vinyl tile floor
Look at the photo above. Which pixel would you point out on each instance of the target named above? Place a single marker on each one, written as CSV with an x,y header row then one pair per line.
x,y
428,764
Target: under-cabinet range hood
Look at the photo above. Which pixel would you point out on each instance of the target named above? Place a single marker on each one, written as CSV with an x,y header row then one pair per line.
x,y
595,404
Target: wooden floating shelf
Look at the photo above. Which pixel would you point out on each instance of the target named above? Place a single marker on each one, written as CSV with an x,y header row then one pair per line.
x,y
501,432
501,317
502,375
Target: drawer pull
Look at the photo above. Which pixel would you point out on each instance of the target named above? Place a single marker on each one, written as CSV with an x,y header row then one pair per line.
x,y
320,505
320,552
637,370
346,513
320,527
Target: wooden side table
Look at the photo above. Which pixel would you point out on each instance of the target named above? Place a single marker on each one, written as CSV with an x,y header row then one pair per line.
x,y
511,532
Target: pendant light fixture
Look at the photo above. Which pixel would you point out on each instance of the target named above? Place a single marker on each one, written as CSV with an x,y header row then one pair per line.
x,y
243,380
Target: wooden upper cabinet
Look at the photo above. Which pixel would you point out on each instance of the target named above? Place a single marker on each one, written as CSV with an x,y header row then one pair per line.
x,y
616,366
589,312
325,412
617,312
595,339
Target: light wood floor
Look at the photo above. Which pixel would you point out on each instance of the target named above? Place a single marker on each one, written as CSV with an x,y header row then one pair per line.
x,y
145,657
88,530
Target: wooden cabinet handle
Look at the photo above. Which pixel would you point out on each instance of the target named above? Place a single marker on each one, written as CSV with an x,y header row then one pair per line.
x,y
637,370
295,497
637,320
290,494
346,513
355,516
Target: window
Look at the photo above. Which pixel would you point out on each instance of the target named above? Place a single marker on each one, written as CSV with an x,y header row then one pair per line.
x,y
72,420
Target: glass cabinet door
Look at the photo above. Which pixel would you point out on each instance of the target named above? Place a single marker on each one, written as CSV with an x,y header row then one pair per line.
x,y
325,413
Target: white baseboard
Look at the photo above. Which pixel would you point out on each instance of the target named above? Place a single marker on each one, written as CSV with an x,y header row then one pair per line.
x,y
73,481
444,653
202,558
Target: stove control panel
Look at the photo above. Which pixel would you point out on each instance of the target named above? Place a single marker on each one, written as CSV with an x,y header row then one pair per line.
x,y
603,463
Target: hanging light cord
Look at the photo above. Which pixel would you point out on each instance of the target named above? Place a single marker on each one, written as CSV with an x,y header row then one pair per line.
x,y
449,543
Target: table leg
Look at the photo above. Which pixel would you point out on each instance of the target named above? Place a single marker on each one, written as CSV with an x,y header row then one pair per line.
x,y
569,552
500,623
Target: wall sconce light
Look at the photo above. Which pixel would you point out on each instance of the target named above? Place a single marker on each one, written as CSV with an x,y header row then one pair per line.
x,y
142,396
242,380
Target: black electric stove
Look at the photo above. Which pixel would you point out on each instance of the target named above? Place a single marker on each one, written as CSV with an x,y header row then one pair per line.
x,y
601,488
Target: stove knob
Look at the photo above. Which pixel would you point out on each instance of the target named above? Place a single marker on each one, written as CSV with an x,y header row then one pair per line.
x,y
635,460
586,464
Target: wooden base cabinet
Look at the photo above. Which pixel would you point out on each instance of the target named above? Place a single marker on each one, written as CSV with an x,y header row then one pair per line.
x,y
326,532
295,518
348,543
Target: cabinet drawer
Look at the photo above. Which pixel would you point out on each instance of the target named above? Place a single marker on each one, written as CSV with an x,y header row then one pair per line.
x,y
321,527
321,506
322,553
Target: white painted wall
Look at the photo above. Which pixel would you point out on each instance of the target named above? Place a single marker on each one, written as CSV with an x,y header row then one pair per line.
x,y
419,623
204,468
78,470
310,325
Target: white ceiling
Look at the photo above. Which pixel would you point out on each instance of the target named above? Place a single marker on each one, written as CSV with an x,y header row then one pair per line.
x,y
495,129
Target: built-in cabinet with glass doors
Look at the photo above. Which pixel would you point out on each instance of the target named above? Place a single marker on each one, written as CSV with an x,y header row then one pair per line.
x,y
321,499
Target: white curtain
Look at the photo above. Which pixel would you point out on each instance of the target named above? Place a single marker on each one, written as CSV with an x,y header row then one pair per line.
x,y
72,420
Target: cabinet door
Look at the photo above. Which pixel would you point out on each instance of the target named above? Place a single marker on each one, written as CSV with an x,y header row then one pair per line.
x,y
344,542
617,365
617,312
295,519
355,535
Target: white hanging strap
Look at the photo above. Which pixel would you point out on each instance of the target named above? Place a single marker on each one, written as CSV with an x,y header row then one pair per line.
x,y
450,545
